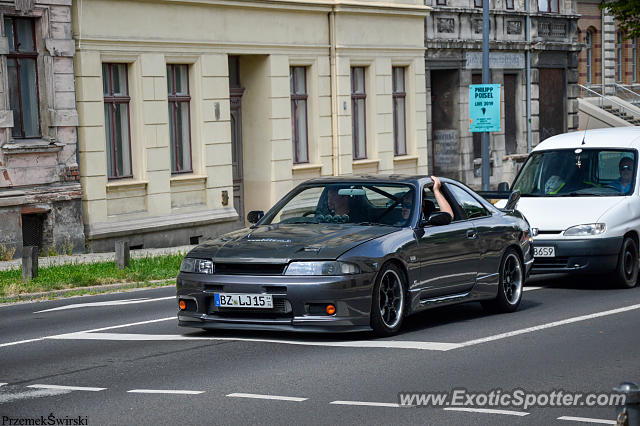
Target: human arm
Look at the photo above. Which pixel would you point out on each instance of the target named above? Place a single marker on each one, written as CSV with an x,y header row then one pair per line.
x,y
440,199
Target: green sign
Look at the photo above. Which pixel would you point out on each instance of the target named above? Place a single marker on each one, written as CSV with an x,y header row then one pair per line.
x,y
484,107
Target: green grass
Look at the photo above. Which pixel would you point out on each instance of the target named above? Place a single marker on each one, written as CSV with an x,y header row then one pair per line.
x,y
84,275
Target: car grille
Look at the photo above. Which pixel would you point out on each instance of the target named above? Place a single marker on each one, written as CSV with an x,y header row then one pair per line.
x,y
250,268
550,262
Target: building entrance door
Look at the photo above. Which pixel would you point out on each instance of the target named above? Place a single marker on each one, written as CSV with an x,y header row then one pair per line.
x,y
235,95
552,106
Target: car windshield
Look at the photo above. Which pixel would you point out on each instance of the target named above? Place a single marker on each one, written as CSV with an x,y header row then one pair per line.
x,y
577,172
352,203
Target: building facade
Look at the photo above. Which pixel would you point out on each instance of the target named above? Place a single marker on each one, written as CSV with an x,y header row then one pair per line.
x,y
200,112
40,193
453,38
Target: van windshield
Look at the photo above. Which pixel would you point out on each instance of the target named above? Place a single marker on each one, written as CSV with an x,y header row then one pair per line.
x,y
578,172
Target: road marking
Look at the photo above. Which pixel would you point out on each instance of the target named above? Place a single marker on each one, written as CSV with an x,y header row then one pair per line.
x,y
107,303
165,391
488,411
2,384
588,420
531,288
549,325
384,344
71,388
368,404
258,396
8,397
2,345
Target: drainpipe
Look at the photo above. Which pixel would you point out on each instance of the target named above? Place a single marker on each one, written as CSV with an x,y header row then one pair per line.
x,y
527,33
333,66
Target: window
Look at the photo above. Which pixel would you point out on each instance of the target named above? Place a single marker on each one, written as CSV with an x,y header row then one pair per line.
x,y
634,60
441,2
477,3
589,44
179,117
548,6
298,84
358,113
472,207
116,120
509,4
399,112
619,56
22,76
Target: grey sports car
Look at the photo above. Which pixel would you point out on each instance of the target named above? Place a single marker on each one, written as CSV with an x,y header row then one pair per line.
x,y
357,253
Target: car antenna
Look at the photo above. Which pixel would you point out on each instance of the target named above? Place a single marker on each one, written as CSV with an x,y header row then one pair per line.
x,y
585,130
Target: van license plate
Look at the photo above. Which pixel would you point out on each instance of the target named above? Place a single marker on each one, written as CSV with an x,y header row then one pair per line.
x,y
544,252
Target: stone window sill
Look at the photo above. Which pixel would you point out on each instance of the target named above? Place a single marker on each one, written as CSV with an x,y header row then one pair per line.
x,y
366,162
405,158
31,146
306,167
126,184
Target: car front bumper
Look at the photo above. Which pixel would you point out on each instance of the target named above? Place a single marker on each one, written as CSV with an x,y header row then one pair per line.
x,y
299,302
589,255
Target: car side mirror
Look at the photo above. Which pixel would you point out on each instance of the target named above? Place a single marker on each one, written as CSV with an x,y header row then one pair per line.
x,y
503,187
439,219
514,197
254,216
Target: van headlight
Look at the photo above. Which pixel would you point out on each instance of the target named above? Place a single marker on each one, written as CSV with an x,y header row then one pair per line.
x,y
322,268
585,230
198,266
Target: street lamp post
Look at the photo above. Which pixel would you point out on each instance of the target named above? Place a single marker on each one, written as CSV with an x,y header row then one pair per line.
x,y
485,80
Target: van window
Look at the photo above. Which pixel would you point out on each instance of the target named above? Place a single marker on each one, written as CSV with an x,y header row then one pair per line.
x,y
578,172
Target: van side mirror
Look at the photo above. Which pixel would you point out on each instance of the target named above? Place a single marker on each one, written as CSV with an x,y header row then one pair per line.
x,y
254,216
514,197
503,187
438,219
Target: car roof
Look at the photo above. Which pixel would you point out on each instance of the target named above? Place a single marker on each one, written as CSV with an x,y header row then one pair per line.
x,y
395,178
613,137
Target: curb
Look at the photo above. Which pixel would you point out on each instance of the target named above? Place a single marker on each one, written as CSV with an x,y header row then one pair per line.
x,y
15,298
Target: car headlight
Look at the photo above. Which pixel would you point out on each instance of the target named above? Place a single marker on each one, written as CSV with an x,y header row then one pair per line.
x,y
198,266
322,268
586,229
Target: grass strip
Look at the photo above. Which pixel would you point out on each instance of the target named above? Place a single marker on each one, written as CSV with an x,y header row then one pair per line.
x,y
62,277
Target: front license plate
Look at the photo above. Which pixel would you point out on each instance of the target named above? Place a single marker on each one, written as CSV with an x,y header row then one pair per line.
x,y
544,251
228,300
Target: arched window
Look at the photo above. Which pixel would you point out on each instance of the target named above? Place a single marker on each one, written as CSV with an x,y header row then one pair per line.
x,y
619,56
589,42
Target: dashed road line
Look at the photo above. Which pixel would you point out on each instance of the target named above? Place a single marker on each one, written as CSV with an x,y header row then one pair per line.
x,y
37,393
531,288
71,388
166,391
588,420
105,303
258,396
19,342
368,404
3,384
488,411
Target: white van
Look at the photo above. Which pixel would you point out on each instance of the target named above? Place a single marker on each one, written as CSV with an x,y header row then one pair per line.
x,y
581,195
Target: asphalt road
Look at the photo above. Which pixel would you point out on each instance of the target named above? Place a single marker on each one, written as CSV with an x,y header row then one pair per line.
x,y
121,359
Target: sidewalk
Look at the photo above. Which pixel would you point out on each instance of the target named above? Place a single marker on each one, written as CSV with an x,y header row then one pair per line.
x,y
94,257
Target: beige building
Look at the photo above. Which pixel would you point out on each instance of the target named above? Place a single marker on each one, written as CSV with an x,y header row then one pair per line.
x,y
191,114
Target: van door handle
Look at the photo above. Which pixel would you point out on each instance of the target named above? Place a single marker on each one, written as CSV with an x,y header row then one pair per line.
x,y
471,234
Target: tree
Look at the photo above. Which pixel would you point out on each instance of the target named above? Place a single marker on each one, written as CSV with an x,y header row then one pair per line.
x,y
626,14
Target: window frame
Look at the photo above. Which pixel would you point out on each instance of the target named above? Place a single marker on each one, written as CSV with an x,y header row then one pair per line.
x,y
355,98
549,7
589,52
509,4
478,4
399,96
174,99
17,56
441,2
294,106
634,60
619,56
113,99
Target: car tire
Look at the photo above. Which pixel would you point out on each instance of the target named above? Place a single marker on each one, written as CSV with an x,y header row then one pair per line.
x,y
389,301
511,281
627,269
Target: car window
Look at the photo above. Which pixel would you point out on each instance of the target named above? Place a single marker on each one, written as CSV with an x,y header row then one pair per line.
x,y
472,207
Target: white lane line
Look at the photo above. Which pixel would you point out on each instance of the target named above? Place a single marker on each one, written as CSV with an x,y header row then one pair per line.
x,y
166,391
367,404
71,388
3,384
549,325
106,303
588,420
39,393
531,288
488,411
388,344
57,336
258,396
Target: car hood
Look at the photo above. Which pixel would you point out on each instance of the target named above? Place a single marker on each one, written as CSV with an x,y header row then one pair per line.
x,y
283,243
560,213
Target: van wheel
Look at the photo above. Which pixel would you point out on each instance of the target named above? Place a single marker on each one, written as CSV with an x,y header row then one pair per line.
x,y
627,270
510,286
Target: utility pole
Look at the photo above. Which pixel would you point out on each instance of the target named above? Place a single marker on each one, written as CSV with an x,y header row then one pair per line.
x,y
485,80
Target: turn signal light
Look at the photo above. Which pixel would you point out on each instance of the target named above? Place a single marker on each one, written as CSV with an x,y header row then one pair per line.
x,y
331,309
182,305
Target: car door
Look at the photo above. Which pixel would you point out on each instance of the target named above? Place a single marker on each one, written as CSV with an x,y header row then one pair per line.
x,y
448,254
